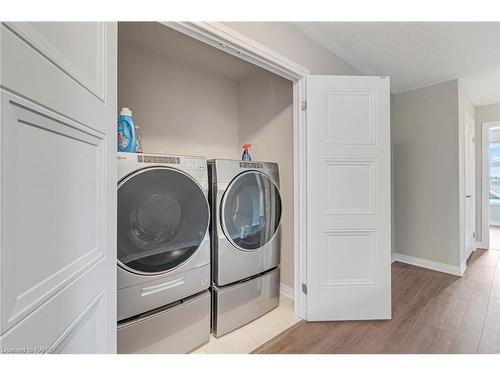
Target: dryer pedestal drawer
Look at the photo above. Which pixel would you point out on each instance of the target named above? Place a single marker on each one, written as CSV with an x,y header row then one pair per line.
x,y
238,304
179,329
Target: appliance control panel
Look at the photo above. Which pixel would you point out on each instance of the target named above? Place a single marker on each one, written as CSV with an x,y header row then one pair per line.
x,y
186,162
252,165
158,159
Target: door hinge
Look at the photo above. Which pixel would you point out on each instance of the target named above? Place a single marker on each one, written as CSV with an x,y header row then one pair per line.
x,y
473,234
304,288
303,105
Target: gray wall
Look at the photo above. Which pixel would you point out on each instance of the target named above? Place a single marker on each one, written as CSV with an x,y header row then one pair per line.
x,y
484,113
180,109
425,146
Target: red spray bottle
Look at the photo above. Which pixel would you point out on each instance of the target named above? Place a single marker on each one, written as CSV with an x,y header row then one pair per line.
x,y
246,155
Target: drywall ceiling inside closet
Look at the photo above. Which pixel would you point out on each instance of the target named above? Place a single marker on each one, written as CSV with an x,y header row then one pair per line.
x,y
418,54
166,42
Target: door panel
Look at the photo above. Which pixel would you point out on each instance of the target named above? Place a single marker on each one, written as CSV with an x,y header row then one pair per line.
x,y
58,171
348,198
44,183
348,117
80,54
86,334
41,78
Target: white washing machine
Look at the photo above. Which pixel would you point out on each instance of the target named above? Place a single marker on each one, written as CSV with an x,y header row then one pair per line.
x,y
163,253
246,241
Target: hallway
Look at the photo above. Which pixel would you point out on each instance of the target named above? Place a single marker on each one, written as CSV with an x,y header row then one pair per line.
x,y
433,312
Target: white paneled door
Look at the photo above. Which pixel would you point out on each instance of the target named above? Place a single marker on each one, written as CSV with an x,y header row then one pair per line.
x,y
470,188
348,198
58,187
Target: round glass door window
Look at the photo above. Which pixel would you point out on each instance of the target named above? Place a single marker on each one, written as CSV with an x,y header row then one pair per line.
x,y
163,217
251,211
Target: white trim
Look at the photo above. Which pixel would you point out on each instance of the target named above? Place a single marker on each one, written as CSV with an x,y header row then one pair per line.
x,y
464,252
286,291
479,245
429,264
234,43
463,265
228,40
299,198
485,182
469,253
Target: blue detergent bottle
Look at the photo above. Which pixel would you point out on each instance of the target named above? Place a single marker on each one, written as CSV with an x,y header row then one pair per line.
x,y
126,132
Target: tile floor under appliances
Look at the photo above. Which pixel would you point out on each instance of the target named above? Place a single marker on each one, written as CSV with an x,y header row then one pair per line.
x,y
432,312
254,334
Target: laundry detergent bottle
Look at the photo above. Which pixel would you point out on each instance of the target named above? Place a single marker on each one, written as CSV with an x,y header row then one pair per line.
x,y
246,155
126,132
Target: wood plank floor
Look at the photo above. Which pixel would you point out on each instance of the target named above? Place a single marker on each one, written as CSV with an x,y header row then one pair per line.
x,y
433,312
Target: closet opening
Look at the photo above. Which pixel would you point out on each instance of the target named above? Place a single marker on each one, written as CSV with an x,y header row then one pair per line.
x,y
190,98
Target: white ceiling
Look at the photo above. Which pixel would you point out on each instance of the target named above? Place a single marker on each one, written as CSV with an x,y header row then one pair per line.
x,y
417,54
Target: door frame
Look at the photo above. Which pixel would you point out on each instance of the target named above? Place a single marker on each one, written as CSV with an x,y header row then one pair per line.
x,y
465,253
230,41
485,178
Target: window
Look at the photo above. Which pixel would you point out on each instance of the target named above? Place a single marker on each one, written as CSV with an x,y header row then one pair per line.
x,y
494,152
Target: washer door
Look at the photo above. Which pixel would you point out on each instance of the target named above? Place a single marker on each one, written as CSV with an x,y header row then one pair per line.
x,y
163,216
251,210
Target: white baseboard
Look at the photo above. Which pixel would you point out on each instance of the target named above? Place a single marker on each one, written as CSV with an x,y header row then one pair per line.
x,y
479,245
429,264
463,266
286,291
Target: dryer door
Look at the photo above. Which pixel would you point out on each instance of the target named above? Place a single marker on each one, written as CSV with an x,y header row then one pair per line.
x,y
251,211
163,216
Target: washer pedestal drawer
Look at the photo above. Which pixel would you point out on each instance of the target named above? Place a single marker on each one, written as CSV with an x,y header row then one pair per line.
x,y
238,304
138,299
178,329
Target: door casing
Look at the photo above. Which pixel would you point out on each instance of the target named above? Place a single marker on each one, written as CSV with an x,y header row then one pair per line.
x,y
469,194
485,181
